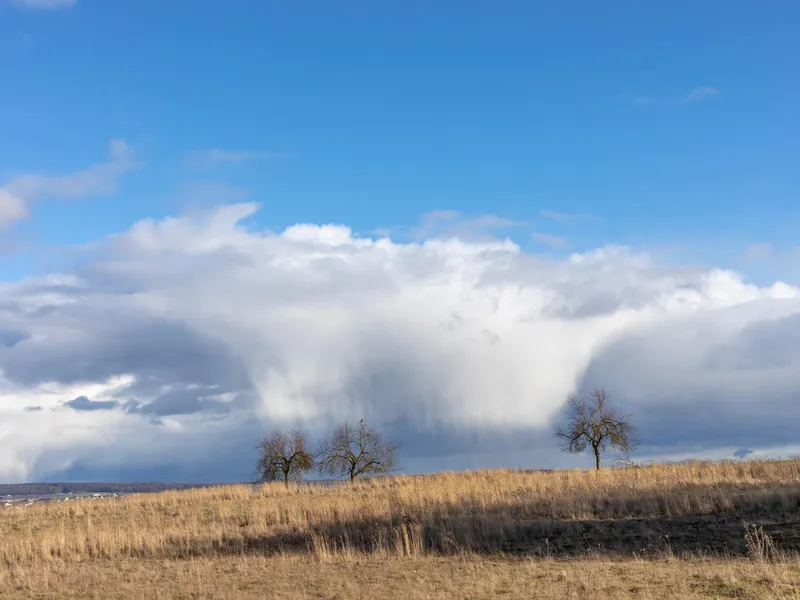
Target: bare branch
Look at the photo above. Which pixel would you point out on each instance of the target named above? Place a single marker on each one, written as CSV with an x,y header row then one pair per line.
x,y
356,451
593,423
284,456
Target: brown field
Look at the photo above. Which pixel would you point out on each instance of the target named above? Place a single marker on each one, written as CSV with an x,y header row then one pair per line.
x,y
694,530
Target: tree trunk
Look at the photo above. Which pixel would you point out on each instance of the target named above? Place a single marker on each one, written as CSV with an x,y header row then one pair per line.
x,y
597,458
286,478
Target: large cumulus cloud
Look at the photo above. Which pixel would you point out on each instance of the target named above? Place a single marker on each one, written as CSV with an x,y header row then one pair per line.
x,y
174,345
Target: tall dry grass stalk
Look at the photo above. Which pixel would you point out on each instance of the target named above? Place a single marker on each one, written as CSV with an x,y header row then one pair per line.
x,y
697,507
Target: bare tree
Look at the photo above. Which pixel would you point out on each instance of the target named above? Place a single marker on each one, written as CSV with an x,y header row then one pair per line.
x,y
593,423
354,451
284,455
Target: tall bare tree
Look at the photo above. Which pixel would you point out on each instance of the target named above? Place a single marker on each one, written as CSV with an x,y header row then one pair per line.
x,y
284,455
594,423
355,451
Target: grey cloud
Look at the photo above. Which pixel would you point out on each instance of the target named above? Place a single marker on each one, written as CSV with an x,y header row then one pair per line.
x,y
226,457
32,408
704,384
204,335
10,338
115,342
743,453
82,403
188,401
760,346
180,402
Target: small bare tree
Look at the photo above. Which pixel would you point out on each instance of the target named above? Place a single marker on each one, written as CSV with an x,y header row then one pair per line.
x,y
593,423
354,451
284,455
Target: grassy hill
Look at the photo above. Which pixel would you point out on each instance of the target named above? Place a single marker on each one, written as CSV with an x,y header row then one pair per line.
x,y
693,530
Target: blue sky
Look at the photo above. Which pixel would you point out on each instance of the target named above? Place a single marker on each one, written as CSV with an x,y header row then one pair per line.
x,y
675,125
642,157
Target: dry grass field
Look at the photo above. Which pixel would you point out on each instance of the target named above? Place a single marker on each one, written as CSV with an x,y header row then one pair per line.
x,y
694,530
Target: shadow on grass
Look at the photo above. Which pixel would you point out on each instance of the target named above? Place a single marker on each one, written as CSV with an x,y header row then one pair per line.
x,y
710,524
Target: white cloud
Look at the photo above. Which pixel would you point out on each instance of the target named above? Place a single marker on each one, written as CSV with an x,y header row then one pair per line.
x,y
554,241
198,335
565,216
449,224
44,4
208,159
758,252
201,193
12,207
17,194
700,93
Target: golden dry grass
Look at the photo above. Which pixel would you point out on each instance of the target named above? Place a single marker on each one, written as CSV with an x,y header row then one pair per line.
x,y
415,578
666,531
